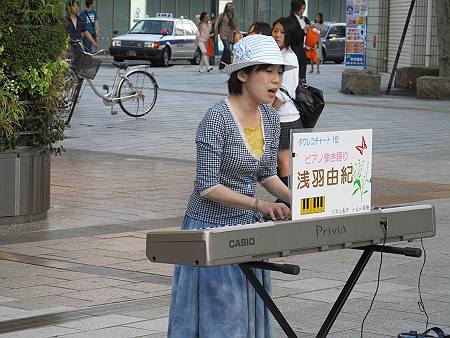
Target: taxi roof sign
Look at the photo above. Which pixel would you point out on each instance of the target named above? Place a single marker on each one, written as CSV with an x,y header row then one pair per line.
x,y
166,15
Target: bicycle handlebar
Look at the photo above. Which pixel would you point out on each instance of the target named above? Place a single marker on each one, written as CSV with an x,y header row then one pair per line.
x,y
78,42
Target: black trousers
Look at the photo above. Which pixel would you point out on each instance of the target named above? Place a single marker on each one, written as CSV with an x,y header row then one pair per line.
x,y
302,61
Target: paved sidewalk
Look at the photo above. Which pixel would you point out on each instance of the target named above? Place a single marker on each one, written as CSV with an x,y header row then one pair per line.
x,y
83,271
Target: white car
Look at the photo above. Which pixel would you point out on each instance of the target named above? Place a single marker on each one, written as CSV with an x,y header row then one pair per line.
x,y
157,40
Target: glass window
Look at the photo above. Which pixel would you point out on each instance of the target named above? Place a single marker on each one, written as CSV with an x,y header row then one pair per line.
x,y
263,10
188,29
182,9
179,29
276,12
152,27
121,16
197,7
334,30
168,6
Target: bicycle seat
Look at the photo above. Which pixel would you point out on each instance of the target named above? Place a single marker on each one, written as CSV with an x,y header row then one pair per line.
x,y
121,65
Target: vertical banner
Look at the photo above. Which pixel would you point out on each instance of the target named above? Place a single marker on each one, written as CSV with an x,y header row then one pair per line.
x,y
331,173
137,10
355,42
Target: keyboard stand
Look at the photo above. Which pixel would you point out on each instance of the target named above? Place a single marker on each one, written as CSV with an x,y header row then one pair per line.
x,y
343,296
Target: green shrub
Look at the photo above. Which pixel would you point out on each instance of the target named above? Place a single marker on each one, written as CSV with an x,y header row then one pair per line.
x,y
33,45
11,113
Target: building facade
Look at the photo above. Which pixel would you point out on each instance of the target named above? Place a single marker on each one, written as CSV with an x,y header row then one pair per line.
x,y
385,23
116,16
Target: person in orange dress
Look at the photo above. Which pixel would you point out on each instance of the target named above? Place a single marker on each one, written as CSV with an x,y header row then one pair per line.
x,y
311,46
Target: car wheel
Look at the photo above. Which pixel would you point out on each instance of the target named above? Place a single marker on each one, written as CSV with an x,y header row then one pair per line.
x,y
197,57
118,59
338,61
165,57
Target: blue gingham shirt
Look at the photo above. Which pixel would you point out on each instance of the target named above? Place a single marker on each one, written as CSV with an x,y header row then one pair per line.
x,y
224,157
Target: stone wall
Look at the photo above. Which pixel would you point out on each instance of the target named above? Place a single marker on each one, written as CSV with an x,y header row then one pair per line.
x,y
444,37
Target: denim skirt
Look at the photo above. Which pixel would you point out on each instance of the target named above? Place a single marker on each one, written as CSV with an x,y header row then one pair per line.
x,y
217,301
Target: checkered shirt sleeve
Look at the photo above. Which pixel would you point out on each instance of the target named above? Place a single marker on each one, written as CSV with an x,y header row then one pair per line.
x,y
210,142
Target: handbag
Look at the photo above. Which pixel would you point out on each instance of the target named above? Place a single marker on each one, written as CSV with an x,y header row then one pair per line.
x,y
415,334
309,103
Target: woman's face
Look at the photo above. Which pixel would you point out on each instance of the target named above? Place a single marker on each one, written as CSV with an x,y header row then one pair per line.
x,y
262,86
206,18
74,9
318,18
278,34
229,7
301,10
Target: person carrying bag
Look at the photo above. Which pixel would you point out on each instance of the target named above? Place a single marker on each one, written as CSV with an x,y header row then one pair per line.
x,y
309,102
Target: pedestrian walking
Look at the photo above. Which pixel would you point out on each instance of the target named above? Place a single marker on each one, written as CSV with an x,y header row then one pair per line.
x,y
318,23
237,144
90,18
75,25
260,28
227,25
284,32
311,46
204,28
296,15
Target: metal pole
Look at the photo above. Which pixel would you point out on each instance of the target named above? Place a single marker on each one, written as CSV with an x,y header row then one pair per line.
x,y
405,29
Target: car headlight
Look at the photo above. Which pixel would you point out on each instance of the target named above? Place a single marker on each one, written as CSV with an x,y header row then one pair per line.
x,y
116,43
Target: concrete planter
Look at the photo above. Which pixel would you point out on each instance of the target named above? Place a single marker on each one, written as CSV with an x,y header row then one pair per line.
x,y
24,186
359,82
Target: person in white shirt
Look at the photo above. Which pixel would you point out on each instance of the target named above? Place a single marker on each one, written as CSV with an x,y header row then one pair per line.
x,y
204,28
284,31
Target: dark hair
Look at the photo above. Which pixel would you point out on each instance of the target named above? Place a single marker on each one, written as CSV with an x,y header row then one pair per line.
x,y
235,85
202,16
69,3
88,3
321,17
290,31
261,28
225,8
296,5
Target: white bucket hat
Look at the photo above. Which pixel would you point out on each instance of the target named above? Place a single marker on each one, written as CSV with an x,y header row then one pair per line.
x,y
256,50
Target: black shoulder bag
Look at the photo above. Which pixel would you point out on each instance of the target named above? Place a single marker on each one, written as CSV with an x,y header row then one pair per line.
x,y
309,103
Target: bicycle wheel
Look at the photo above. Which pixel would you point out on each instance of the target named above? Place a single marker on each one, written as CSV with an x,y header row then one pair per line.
x,y
138,91
69,96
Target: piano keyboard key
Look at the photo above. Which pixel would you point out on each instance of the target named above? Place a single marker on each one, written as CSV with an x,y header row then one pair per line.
x,y
312,205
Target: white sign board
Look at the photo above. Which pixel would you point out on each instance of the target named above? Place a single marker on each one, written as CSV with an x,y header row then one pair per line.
x,y
137,11
331,173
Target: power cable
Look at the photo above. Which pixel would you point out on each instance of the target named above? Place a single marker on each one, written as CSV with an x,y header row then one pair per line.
x,y
420,302
378,279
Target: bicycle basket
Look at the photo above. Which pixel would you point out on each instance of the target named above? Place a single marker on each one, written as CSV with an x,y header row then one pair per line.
x,y
86,65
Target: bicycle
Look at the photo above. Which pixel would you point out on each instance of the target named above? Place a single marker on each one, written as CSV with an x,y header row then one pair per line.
x,y
135,89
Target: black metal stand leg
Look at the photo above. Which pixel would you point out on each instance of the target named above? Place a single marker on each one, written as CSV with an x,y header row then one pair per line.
x,y
348,287
356,273
268,301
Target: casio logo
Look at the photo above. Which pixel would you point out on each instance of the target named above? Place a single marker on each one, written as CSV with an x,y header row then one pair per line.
x,y
234,243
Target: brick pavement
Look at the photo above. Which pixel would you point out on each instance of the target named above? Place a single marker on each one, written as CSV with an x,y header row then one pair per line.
x,y
83,271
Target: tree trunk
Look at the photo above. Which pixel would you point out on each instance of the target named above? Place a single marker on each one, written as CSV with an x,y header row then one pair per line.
x,y
443,10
